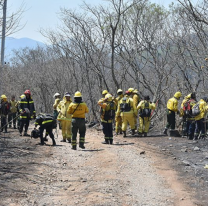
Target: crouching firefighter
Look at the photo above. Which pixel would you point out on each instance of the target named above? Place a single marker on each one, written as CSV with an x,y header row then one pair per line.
x,y
46,122
108,107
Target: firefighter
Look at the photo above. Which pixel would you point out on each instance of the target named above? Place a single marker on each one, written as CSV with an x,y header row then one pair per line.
x,y
127,111
57,97
144,108
27,112
136,100
78,109
18,112
65,118
118,119
4,111
13,112
186,112
108,106
48,123
200,123
172,108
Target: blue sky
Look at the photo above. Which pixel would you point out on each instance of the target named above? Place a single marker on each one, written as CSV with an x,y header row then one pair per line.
x,y
43,13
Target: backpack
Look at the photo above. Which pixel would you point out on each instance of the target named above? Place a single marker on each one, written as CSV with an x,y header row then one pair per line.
x,y
187,108
45,117
195,110
124,106
146,112
110,114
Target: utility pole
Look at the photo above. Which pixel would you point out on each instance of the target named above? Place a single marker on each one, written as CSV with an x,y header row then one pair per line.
x,y
3,42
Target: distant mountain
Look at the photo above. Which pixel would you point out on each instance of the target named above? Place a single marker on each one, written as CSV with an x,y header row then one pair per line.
x,y
16,44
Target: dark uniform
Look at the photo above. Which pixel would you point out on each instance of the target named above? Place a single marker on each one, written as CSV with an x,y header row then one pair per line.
x,y
27,111
48,123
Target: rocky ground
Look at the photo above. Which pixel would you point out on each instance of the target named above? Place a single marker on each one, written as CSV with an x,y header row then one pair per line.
x,y
150,171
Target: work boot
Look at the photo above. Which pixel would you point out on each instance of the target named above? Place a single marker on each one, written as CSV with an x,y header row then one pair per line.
x,y
139,134
111,141
145,134
26,135
54,142
10,126
121,132
45,139
165,131
133,132
21,134
105,142
124,133
74,147
81,145
15,127
69,140
63,140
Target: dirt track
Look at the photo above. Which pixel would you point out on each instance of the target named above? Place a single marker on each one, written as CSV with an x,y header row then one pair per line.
x,y
118,174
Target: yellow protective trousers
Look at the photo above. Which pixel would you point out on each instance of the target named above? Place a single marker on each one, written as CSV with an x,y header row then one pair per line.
x,y
118,121
127,117
66,129
144,124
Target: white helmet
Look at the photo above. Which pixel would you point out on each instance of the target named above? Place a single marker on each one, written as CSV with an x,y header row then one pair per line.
x,y
56,95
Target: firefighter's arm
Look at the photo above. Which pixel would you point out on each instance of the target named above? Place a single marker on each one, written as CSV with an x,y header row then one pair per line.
x,y
134,109
139,105
102,103
118,111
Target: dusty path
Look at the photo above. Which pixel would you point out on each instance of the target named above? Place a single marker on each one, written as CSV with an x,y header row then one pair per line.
x,y
101,174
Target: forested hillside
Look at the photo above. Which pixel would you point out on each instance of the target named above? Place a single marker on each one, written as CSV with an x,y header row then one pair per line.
x,y
127,44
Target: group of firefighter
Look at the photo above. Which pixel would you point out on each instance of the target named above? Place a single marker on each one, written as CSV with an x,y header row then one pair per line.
x,y
123,110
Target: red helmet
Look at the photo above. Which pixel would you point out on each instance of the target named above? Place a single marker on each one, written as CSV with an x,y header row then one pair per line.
x,y
27,92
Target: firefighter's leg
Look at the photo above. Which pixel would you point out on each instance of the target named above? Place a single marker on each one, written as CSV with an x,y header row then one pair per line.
x,y
124,122
110,132
146,125
74,134
63,129
41,129
141,125
68,131
49,130
82,132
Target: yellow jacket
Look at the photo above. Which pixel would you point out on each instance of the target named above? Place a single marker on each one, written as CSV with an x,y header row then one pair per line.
x,y
78,111
142,103
129,100
62,110
203,109
13,107
172,104
57,101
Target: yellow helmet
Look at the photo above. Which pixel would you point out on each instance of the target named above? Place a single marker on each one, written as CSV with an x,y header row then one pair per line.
x,y
105,92
109,97
78,94
177,95
22,96
131,89
3,96
119,90
135,91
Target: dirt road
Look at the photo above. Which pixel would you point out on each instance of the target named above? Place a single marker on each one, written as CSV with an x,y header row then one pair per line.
x,y
129,172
